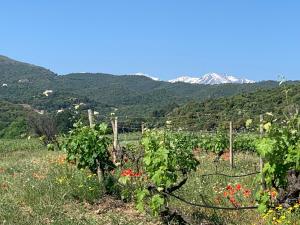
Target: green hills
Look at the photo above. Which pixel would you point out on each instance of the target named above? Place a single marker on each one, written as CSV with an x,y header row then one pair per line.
x,y
133,95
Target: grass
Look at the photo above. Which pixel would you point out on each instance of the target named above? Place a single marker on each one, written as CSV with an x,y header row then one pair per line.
x,y
38,187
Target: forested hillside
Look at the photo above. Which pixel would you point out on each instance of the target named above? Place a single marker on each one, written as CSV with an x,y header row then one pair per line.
x,y
12,119
208,114
137,97
132,95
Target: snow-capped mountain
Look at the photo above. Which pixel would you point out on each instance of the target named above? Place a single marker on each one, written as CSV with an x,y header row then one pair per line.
x,y
146,75
211,78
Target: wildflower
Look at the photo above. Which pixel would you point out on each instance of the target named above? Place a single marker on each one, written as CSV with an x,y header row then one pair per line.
x,y
232,199
229,187
126,173
130,173
247,193
283,217
225,194
273,194
238,187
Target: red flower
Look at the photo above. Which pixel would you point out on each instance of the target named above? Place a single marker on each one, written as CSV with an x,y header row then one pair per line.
x,y
225,194
247,193
238,187
126,173
130,173
229,187
232,199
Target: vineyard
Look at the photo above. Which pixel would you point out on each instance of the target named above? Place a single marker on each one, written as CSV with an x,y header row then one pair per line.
x,y
106,172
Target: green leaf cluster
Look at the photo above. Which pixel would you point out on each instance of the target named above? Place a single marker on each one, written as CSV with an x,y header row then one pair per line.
x,y
86,146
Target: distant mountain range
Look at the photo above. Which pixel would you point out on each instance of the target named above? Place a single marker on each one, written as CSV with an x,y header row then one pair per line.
x,y
212,78
133,95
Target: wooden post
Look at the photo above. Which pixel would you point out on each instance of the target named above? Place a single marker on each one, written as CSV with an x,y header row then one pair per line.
x,y
261,162
143,127
99,171
114,124
91,119
230,145
116,133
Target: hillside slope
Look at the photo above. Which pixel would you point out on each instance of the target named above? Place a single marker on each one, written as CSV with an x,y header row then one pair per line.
x,y
133,95
211,113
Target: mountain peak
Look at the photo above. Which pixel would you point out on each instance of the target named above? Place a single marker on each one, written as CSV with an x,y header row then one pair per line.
x,y
211,78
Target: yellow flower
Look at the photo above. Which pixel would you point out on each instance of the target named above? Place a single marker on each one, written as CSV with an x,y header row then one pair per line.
x,y
283,217
270,211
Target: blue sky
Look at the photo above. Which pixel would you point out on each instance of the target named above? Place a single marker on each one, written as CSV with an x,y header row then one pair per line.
x,y
257,39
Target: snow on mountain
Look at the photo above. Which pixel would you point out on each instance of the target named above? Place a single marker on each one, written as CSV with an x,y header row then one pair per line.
x,y
186,79
211,78
146,75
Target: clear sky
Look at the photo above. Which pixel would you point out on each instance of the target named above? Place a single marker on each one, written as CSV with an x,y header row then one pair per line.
x,y
256,39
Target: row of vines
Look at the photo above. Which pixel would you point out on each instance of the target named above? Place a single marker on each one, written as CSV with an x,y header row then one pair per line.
x,y
151,172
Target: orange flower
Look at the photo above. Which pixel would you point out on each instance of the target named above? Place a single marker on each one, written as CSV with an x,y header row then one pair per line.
x,y
232,199
225,194
273,194
247,193
232,192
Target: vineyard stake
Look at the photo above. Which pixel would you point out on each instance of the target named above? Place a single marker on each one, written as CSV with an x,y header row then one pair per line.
x,y
230,145
143,127
114,124
99,171
91,119
261,162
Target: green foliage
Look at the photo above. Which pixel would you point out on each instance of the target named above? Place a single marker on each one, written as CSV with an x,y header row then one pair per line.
x,y
209,114
12,120
86,145
280,152
215,143
16,129
168,159
136,96
245,142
